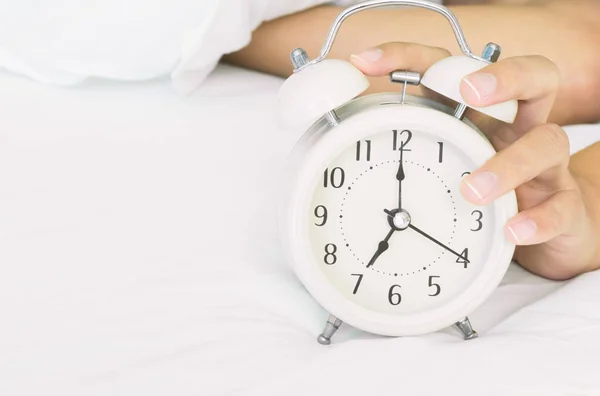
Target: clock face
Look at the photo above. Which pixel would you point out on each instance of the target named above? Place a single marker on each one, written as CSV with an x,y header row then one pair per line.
x,y
389,228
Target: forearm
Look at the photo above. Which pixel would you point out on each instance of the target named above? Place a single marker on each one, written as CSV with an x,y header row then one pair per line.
x,y
585,167
566,34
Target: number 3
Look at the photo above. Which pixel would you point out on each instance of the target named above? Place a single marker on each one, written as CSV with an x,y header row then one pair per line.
x,y
478,220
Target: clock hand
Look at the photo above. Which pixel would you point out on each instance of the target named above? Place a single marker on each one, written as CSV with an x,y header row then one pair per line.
x,y
400,176
383,246
438,242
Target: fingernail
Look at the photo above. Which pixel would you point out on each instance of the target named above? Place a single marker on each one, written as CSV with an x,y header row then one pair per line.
x,y
369,56
478,87
523,230
481,184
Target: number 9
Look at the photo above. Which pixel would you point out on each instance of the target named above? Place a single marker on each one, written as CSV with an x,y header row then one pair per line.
x,y
322,216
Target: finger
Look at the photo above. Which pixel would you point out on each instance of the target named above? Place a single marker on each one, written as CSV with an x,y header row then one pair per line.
x,y
381,60
542,154
531,79
522,78
546,221
378,62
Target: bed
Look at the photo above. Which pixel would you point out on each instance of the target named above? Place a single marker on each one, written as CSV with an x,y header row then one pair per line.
x,y
139,255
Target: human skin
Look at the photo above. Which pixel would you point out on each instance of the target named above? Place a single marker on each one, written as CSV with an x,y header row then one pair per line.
x,y
565,32
557,229
550,64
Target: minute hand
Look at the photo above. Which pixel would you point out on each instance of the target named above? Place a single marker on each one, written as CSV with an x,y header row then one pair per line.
x,y
438,242
400,177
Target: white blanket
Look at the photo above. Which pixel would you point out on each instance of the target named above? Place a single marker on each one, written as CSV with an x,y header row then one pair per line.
x,y
139,256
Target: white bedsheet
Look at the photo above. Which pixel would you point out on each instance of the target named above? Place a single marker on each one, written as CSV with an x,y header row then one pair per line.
x,y
139,256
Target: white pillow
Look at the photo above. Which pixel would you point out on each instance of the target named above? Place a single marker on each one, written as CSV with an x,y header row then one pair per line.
x,y
66,41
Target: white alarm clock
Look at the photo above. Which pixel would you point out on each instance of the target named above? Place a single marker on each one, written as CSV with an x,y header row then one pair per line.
x,y
373,221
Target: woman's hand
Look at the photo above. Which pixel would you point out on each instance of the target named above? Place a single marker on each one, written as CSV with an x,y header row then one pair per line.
x,y
568,32
556,230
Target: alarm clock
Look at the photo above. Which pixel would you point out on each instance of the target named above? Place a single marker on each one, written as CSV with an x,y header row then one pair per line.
x,y
372,219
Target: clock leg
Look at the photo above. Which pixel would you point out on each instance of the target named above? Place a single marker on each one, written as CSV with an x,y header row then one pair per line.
x,y
331,327
465,327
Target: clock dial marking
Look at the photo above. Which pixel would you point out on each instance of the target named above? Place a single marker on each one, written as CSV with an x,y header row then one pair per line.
x,y
357,182
408,197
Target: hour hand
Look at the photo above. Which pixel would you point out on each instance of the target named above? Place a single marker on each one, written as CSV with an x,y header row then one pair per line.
x,y
382,247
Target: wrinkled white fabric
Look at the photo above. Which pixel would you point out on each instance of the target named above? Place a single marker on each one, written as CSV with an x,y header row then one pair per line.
x,y
66,41
139,255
